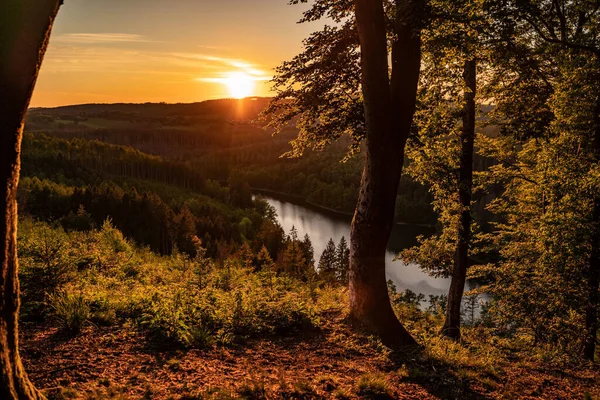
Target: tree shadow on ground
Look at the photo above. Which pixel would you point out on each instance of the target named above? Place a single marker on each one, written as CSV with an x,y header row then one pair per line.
x,y
438,378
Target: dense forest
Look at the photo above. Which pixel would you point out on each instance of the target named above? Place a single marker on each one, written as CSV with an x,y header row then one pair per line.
x,y
224,138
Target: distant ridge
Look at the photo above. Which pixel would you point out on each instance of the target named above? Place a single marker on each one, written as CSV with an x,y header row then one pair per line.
x,y
235,109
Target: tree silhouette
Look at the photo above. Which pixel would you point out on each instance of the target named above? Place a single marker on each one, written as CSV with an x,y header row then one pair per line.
x,y
25,27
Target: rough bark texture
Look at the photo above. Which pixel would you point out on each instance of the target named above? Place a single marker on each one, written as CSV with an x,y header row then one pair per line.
x,y
591,321
389,108
24,32
451,326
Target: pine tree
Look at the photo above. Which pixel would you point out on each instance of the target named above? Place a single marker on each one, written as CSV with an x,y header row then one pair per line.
x,y
294,258
342,261
264,262
308,251
272,236
293,236
246,255
327,262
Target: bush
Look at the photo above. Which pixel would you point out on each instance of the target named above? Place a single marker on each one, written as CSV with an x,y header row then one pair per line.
x,y
167,320
47,264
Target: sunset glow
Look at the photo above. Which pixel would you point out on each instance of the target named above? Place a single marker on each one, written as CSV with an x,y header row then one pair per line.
x,y
156,51
240,85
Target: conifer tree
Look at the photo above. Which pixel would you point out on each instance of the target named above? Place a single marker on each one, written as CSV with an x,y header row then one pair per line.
x,y
294,256
327,262
308,251
246,255
342,261
264,262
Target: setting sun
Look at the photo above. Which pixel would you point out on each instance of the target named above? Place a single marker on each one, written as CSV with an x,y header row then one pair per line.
x,y
240,85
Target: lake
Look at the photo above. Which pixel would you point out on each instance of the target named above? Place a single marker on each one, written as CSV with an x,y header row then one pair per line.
x,y
321,225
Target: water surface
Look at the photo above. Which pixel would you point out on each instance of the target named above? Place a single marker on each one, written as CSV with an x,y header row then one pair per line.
x,y
321,225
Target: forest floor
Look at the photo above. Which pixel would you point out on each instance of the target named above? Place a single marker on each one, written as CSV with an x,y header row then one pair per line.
x,y
333,361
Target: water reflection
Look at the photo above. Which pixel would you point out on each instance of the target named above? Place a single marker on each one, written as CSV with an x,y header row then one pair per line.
x,y
321,225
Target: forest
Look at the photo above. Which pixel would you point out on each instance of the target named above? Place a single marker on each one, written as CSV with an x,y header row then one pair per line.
x,y
225,138
140,261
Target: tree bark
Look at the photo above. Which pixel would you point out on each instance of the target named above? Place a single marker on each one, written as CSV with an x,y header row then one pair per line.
x,y
24,33
389,110
451,326
591,312
591,320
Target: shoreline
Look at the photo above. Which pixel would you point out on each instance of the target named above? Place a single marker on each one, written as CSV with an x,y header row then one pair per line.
x,y
303,202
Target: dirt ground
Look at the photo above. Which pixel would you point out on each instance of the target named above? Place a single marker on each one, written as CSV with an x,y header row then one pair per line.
x,y
332,362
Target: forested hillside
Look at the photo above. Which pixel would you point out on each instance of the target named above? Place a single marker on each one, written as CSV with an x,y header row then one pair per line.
x,y
158,203
223,140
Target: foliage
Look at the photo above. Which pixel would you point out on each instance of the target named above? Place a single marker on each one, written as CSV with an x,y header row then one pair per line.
x,y
544,236
177,300
319,89
540,280
334,262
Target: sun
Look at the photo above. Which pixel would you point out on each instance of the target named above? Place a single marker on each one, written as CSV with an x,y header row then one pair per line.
x,y
240,85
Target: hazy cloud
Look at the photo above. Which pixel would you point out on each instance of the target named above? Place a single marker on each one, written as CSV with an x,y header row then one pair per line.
x,y
91,38
78,57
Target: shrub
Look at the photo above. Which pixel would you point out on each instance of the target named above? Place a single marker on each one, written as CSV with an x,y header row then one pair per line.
x,y
166,319
46,265
178,300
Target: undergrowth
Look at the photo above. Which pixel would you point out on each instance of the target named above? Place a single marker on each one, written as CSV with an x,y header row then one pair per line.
x,y
176,300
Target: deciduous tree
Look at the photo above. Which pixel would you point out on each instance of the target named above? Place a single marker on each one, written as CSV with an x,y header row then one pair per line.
x,y
25,27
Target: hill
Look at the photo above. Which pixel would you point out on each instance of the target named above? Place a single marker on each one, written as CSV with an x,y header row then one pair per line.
x,y
219,139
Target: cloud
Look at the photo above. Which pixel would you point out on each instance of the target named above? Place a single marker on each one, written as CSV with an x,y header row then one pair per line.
x,y
74,54
223,66
103,38
225,77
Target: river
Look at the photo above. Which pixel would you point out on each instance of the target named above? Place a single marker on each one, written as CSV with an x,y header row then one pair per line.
x,y
321,225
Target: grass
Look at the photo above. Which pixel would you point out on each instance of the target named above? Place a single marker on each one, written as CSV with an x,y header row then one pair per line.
x,y
374,386
252,390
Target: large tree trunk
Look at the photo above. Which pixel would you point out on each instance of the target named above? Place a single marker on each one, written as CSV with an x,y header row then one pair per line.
x,y
591,320
389,111
24,33
451,326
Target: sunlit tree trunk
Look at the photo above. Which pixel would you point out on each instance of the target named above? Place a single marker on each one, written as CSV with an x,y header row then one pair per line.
x,y
389,108
451,326
591,322
24,33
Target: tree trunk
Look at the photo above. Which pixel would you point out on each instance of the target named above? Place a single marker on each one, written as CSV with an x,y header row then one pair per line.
x,y
591,317
451,326
389,111
24,33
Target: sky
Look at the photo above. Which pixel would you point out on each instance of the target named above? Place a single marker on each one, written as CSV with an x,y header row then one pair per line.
x,y
174,51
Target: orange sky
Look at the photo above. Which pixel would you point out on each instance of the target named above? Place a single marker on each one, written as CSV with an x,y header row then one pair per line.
x,y
157,50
